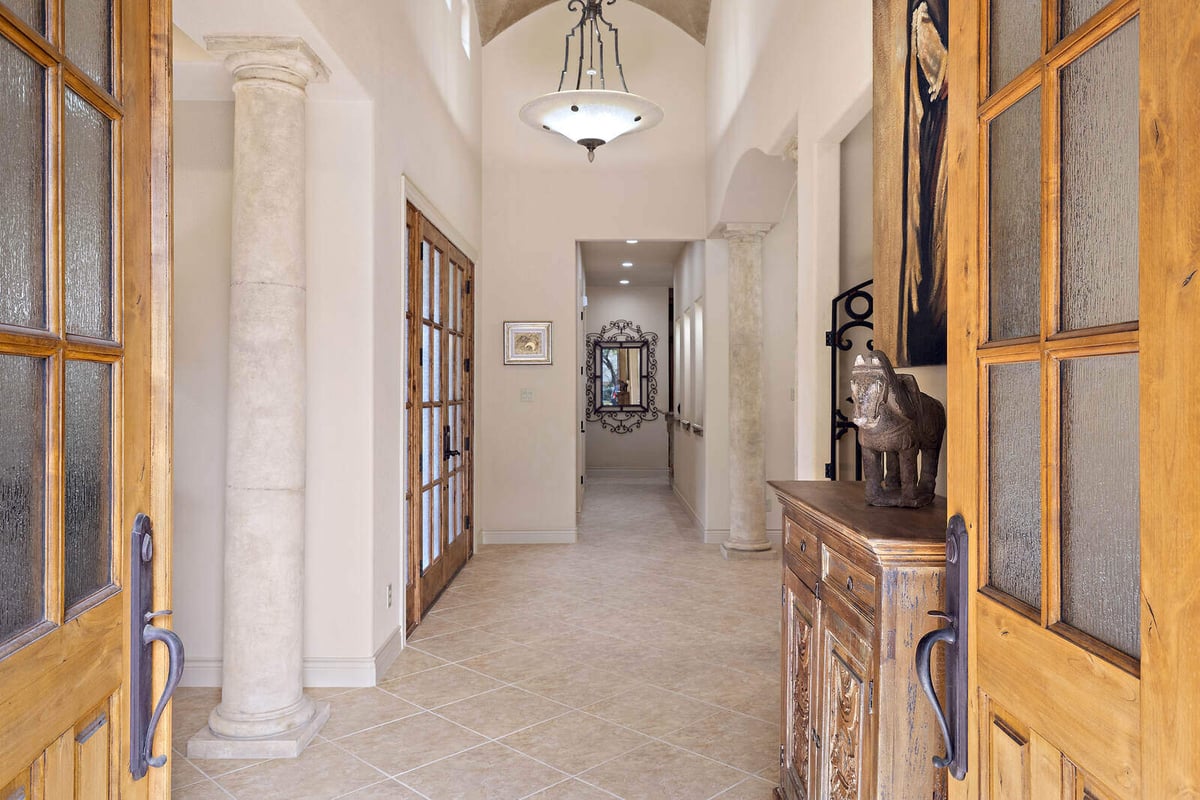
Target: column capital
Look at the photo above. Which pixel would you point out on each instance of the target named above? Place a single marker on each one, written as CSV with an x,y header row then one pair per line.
x,y
287,59
792,150
746,231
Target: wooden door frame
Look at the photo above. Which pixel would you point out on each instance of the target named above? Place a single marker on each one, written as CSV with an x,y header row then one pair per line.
x,y
415,210
1169,216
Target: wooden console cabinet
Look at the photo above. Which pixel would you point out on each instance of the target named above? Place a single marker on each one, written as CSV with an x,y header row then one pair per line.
x,y
858,582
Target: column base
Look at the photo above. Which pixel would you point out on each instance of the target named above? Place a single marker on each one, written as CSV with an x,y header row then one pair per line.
x,y
288,744
741,551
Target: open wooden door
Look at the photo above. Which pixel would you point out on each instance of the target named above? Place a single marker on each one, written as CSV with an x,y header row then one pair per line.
x,y
440,406
1073,209
84,384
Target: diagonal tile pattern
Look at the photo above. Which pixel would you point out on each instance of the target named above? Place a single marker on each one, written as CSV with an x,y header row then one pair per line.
x,y
635,664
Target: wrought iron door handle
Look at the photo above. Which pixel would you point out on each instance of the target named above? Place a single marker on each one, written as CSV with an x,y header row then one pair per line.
x,y
953,720
447,453
925,675
152,633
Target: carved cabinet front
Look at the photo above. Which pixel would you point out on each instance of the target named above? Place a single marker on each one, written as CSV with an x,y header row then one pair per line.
x,y
857,583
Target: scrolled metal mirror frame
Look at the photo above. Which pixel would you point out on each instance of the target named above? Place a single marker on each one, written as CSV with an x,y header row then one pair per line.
x,y
622,419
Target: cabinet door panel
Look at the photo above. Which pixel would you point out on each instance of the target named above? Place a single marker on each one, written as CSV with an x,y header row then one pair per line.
x,y
846,746
799,696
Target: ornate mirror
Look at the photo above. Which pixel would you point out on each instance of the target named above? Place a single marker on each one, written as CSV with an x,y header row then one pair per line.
x,y
621,368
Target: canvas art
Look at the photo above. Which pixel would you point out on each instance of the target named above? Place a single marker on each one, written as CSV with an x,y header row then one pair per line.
x,y
910,147
527,343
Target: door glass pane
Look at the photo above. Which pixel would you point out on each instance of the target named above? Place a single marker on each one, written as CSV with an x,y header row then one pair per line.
x,y
89,38
453,513
1077,12
436,445
438,366
427,451
1100,183
426,363
23,189
31,12
426,530
439,265
1015,241
22,493
1014,481
1101,566
89,219
436,534
426,282
1016,38
88,479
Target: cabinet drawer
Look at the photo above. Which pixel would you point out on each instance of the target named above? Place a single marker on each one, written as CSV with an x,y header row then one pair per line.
x,y
801,543
855,584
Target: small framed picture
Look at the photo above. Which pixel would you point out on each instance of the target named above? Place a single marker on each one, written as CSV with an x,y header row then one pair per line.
x,y
527,343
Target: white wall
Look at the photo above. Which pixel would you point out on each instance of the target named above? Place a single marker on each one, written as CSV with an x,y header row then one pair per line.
x,y
779,356
689,478
778,69
408,105
646,447
541,196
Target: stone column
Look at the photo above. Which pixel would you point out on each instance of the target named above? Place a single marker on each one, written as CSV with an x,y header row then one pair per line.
x,y
264,712
747,478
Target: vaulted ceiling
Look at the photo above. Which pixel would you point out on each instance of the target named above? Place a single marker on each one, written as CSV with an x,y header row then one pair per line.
x,y
497,15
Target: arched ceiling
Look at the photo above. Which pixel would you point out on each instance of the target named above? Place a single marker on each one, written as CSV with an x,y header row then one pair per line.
x,y
497,15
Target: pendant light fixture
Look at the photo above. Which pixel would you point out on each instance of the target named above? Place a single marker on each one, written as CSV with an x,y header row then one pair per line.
x,y
591,114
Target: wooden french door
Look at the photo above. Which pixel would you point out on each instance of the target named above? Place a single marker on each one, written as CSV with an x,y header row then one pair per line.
x,y
440,418
1073,218
84,382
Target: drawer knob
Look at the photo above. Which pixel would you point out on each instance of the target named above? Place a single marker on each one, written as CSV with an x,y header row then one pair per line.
x,y
803,546
850,584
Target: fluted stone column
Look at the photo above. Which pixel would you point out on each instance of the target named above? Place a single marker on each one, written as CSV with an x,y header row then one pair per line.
x,y
747,478
264,712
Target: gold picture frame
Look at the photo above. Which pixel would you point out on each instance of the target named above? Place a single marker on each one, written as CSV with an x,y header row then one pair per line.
x,y
527,343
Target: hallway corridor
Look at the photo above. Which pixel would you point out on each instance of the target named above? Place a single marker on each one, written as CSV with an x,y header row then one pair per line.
x,y
637,664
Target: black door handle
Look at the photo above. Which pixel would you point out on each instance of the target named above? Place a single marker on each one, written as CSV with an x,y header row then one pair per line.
x,y
447,453
952,721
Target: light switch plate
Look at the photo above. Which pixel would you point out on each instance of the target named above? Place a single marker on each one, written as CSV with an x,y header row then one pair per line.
x,y
527,395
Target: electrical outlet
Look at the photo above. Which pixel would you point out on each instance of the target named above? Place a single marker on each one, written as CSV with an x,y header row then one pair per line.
x,y
389,595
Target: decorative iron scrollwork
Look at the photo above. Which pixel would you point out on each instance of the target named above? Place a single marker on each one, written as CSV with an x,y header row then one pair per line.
x,y
837,341
622,417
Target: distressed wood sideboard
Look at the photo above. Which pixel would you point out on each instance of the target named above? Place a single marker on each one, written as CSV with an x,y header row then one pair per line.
x,y
858,582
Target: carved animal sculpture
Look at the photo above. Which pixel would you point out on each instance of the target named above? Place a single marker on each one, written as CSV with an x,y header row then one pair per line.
x,y
896,419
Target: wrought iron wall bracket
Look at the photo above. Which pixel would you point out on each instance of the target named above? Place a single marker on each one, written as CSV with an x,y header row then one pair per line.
x,y
143,716
953,721
836,339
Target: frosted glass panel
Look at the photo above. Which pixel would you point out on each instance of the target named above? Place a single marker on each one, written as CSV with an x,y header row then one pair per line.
x,y
426,363
1101,567
436,531
1014,249
1014,481
1100,183
1016,38
427,451
89,38
452,517
89,219
426,529
22,187
439,267
1077,12
22,493
32,12
88,479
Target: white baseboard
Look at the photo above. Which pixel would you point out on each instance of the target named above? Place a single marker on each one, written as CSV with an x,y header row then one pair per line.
x,y
387,654
627,472
530,537
719,537
318,672
688,506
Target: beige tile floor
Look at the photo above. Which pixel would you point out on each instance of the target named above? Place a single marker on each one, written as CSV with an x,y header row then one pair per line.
x,y
637,664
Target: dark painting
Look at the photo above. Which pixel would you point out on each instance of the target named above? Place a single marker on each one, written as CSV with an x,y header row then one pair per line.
x,y
922,299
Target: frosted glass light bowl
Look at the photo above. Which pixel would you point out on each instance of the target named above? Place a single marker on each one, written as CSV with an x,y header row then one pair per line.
x,y
592,117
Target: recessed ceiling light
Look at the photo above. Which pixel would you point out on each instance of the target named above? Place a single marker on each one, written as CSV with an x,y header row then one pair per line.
x,y
624,283
626,264
631,241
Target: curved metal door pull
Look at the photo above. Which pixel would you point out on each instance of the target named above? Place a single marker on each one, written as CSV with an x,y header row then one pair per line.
x,y
952,721
150,634
925,674
143,633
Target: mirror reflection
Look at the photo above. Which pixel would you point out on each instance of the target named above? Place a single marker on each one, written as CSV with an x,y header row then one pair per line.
x,y
620,376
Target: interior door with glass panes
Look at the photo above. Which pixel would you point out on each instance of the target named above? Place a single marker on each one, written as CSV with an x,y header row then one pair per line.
x,y
1051,460
441,339
84,242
